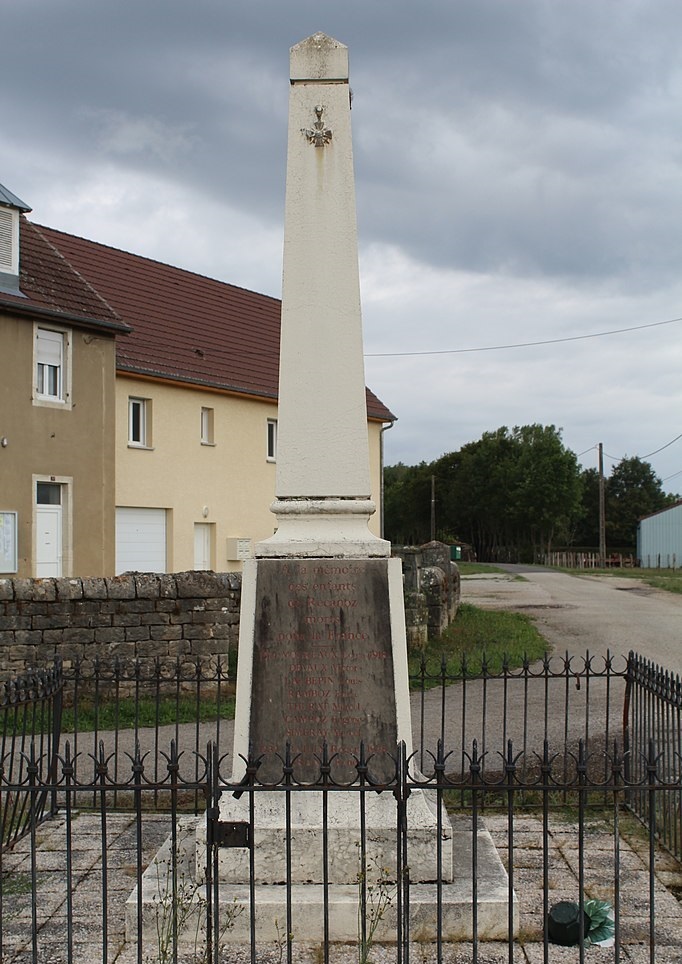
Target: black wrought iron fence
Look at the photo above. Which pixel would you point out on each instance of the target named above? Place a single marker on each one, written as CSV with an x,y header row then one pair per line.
x,y
545,762
131,705
152,886
125,705
559,700
30,707
652,717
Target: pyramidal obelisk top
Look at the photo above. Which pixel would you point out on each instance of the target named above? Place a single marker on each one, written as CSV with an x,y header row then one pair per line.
x,y
323,498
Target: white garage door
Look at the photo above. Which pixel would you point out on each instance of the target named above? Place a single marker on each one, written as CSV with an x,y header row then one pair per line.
x,y
140,540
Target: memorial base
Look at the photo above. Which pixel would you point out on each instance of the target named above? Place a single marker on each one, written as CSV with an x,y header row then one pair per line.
x,y
307,833
452,902
322,661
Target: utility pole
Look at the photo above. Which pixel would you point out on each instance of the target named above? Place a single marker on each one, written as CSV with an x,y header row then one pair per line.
x,y
433,508
602,515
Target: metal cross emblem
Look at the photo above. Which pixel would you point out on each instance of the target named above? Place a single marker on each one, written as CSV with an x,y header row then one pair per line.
x,y
319,135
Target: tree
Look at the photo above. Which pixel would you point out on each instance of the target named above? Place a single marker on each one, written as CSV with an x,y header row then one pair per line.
x,y
510,494
633,490
407,503
548,487
586,533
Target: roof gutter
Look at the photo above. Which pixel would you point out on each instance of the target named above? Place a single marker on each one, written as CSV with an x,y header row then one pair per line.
x,y
82,321
384,428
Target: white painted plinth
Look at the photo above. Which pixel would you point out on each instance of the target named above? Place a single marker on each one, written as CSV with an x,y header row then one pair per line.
x,y
307,901
343,837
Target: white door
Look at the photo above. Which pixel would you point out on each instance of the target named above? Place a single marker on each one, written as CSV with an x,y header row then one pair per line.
x,y
140,540
202,545
48,541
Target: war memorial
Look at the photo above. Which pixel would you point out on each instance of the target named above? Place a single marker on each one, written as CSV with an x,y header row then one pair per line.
x,y
323,710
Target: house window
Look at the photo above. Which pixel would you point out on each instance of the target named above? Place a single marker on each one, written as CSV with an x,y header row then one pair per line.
x,y
140,422
51,370
272,440
207,426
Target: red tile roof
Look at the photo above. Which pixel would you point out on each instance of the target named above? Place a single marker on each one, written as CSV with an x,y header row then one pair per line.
x,y
50,284
185,327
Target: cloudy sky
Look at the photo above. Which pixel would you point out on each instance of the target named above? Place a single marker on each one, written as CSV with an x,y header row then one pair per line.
x,y
518,175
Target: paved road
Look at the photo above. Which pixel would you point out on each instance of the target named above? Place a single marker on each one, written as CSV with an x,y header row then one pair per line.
x,y
595,613
577,615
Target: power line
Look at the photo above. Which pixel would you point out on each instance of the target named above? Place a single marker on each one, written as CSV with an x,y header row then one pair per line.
x,y
615,458
667,444
522,344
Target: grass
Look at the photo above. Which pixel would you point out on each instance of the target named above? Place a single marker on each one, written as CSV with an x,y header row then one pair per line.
x,y
478,635
128,713
477,568
667,579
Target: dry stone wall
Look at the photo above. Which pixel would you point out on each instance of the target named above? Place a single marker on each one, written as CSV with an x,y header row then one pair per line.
x,y
431,586
136,615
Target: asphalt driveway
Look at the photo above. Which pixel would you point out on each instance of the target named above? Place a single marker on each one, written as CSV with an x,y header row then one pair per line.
x,y
581,613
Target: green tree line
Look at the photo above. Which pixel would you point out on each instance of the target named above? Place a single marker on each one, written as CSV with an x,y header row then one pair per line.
x,y
517,493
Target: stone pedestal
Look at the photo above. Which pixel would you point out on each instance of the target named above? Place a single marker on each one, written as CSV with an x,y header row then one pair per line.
x,y
322,659
323,668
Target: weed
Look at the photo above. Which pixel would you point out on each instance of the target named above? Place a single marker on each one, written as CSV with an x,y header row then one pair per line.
x,y
281,941
16,884
173,908
375,896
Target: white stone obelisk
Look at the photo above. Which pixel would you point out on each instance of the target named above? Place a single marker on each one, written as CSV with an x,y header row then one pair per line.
x,y
323,493
322,649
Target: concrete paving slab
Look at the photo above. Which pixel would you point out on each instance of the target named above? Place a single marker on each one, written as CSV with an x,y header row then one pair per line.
x,y
88,910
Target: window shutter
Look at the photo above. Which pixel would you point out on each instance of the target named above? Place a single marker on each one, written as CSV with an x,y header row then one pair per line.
x,y
6,226
50,347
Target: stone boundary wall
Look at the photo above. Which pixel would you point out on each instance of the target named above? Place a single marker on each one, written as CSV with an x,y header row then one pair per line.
x,y
134,615
431,586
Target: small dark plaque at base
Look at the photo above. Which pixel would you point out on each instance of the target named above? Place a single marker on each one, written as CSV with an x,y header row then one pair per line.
x,y
323,668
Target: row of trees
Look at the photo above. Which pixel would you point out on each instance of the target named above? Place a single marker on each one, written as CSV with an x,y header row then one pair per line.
x,y
515,494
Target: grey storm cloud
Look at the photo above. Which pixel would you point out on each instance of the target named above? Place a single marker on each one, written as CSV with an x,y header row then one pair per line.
x,y
519,172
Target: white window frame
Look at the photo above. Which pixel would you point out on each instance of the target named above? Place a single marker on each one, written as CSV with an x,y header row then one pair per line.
x,y
271,440
144,422
207,426
50,345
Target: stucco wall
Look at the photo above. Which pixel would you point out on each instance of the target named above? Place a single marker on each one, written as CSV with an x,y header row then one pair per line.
x,y
70,442
229,484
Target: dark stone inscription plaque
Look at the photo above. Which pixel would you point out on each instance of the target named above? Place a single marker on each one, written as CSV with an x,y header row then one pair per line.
x,y
323,667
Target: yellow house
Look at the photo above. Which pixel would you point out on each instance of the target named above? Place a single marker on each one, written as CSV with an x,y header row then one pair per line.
x,y
194,444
